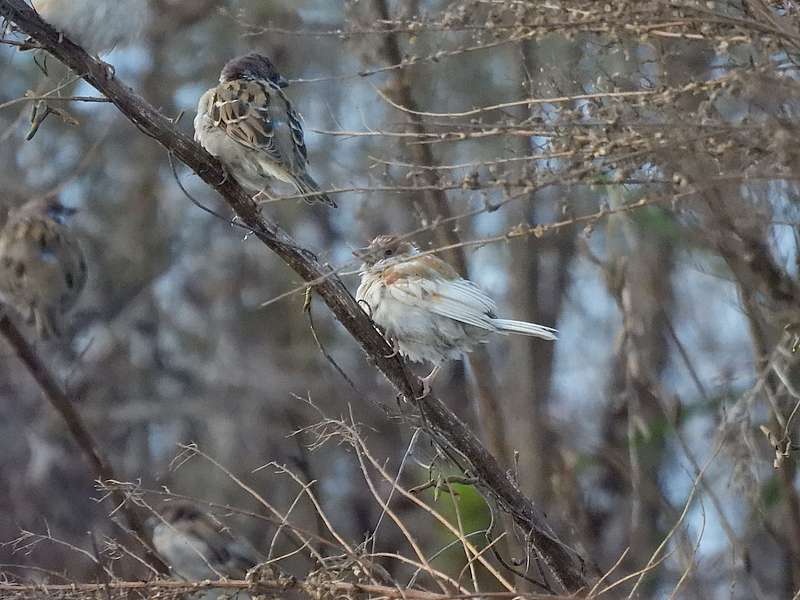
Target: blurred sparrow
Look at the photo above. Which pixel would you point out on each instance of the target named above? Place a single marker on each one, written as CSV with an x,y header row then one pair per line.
x,y
428,311
96,25
42,268
193,546
248,123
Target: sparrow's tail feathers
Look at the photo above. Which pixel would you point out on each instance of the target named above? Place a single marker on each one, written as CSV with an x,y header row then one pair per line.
x,y
306,185
525,328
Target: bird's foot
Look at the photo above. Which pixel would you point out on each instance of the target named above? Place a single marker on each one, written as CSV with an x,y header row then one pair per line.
x,y
237,221
110,70
395,349
426,389
426,381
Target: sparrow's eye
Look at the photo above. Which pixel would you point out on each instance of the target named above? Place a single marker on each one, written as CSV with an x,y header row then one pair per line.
x,y
388,252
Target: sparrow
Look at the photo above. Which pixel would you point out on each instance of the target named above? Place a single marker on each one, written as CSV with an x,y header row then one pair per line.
x,y
96,25
196,549
248,123
428,311
42,267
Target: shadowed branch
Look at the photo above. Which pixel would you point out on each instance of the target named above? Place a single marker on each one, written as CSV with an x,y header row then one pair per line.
x,y
66,408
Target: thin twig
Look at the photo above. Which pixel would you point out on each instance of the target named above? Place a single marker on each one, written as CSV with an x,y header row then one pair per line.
x,y
565,563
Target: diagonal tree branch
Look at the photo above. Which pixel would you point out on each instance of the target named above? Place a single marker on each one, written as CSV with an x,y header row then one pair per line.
x,y
63,404
566,564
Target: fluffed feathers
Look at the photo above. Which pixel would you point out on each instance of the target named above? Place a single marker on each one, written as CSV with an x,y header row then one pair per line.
x,y
248,123
42,266
425,307
96,25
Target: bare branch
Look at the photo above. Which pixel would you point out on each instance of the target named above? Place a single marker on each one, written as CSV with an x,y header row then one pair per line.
x,y
66,408
566,565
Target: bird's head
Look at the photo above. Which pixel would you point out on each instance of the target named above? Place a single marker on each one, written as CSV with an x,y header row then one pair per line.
x,y
175,514
385,247
179,512
47,207
252,67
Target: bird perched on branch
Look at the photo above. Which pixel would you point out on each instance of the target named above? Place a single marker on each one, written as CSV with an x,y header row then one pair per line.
x,y
42,267
96,25
248,123
195,548
428,311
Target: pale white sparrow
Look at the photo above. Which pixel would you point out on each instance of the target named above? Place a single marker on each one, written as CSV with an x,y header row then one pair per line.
x,y
96,25
248,123
42,267
426,309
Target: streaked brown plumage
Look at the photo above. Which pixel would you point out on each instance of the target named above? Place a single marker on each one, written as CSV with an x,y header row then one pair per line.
x,y
42,267
196,549
248,123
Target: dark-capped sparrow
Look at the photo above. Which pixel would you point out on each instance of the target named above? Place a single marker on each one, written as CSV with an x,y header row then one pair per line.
x,y
96,25
193,546
42,267
248,123
424,306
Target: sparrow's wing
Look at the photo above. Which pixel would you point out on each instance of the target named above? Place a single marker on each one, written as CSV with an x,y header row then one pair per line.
x,y
39,248
458,299
261,119
75,263
42,270
241,557
296,127
288,135
231,556
242,110
56,245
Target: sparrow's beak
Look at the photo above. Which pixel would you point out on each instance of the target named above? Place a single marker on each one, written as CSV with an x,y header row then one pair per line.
x,y
60,213
362,252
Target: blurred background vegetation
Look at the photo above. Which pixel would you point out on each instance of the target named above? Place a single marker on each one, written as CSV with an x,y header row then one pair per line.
x,y
659,157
